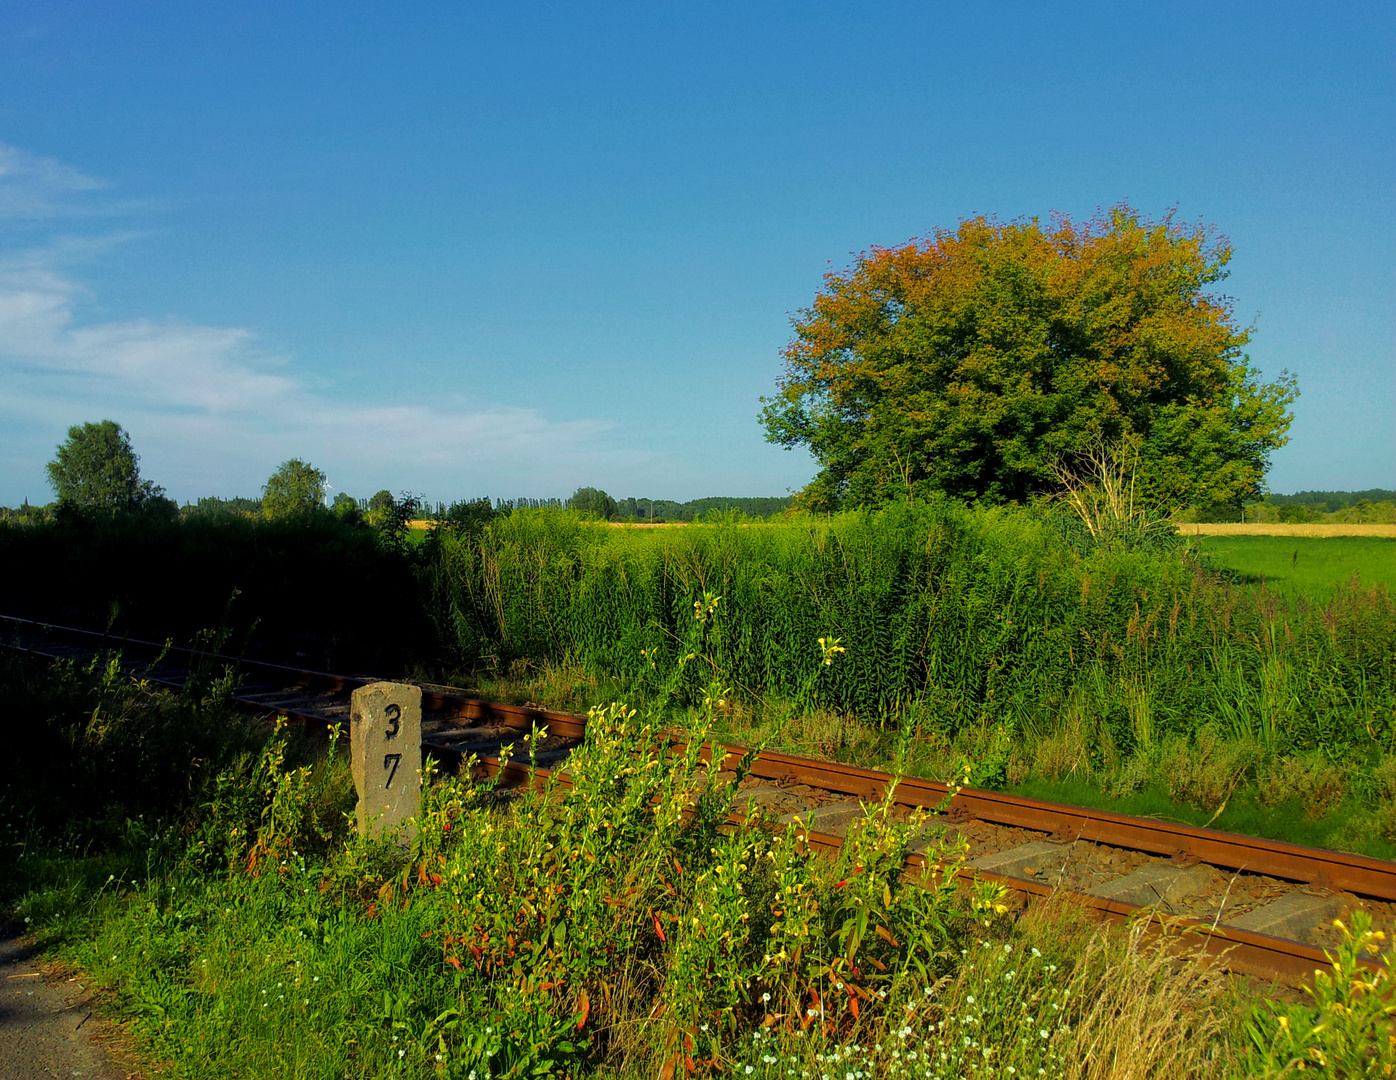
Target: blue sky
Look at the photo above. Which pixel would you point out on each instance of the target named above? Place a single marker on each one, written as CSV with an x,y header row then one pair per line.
x,y
513,249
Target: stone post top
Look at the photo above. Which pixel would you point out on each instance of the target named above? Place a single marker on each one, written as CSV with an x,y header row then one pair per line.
x,y
396,689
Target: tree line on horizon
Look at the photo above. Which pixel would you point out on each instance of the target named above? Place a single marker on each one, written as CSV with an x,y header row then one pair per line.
x,y
97,471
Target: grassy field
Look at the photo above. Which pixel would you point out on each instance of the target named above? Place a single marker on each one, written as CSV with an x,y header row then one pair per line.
x,y
1305,564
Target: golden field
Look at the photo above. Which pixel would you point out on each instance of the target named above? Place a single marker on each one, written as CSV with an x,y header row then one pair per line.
x,y
1285,529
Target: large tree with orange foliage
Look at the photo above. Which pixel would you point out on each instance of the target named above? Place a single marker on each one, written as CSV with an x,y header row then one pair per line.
x,y
973,361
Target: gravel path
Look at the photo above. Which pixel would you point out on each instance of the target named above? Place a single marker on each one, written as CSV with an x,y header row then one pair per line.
x,y
48,1026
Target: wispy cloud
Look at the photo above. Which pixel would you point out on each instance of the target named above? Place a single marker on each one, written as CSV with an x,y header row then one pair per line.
x,y
138,363
33,187
211,410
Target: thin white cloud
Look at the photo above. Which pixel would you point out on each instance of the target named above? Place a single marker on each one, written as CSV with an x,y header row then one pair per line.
x,y
33,187
139,363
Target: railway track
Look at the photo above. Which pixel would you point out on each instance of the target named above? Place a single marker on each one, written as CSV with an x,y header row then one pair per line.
x,y
1265,907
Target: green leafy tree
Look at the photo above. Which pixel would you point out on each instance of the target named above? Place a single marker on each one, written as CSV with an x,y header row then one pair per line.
x,y
396,526
590,500
346,508
381,507
95,469
468,515
979,361
297,488
211,506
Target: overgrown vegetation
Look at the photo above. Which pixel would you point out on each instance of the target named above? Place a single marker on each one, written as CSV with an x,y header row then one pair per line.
x,y
955,618
1051,656
315,590
1008,635
590,929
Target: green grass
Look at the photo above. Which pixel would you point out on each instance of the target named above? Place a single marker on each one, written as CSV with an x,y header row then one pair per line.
x,y
1305,564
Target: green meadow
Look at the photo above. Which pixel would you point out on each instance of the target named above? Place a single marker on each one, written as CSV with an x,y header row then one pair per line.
x,y
1305,564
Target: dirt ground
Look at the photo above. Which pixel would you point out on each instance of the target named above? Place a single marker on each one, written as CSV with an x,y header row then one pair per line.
x,y
49,1024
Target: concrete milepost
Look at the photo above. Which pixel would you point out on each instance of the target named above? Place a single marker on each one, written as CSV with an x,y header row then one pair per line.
x,y
385,738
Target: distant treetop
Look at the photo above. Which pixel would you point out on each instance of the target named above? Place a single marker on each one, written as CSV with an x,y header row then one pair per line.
x,y
295,489
213,506
590,500
641,509
1332,501
96,469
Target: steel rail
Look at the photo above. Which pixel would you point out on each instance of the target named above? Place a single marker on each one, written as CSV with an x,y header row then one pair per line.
x,y
1320,867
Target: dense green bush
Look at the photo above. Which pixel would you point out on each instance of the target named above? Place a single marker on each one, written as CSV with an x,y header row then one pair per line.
x,y
952,617
88,746
316,590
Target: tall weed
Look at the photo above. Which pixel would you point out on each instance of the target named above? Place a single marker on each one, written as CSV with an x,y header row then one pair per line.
x,y
617,914
955,617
